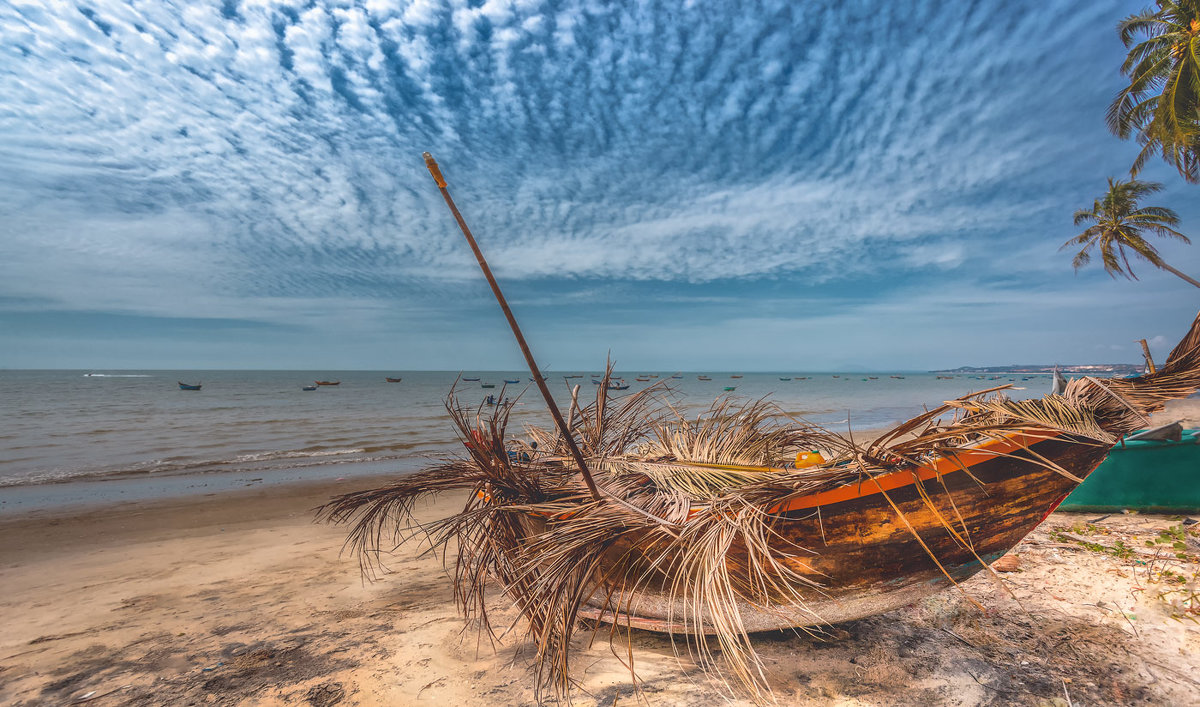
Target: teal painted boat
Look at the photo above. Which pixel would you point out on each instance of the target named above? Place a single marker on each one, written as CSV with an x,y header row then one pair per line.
x,y
1152,476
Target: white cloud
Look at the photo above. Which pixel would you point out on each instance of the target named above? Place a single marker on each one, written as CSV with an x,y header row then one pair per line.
x,y
587,141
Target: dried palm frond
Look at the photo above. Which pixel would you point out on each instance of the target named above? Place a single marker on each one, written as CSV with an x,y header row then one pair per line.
x,y
728,432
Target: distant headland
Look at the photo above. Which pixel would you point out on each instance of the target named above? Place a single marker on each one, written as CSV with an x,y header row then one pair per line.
x,y
1082,369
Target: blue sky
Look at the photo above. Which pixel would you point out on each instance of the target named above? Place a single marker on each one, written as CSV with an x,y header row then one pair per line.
x,y
750,186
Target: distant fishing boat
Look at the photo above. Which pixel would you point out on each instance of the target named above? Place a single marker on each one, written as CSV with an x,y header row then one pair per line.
x,y
785,379
471,380
512,381
328,382
899,377
642,380
703,378
730,387
393,380
735,376
616,386
676,377
309,387
185,386
487,385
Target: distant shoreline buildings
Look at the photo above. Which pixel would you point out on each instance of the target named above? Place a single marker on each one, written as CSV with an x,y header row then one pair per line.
x,y
1081,369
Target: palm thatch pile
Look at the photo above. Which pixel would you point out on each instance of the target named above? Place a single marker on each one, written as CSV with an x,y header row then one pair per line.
x,y
683,492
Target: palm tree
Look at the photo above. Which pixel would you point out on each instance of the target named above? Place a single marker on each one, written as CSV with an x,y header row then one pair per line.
x,y
1161,105
1117,226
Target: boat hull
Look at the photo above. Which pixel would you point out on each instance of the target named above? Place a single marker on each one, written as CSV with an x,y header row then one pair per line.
x,y
865,556
1147,476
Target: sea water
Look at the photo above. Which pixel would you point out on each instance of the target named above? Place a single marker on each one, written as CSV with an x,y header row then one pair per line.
x,y
262,427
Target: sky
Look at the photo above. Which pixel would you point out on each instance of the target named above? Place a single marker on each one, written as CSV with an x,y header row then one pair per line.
x,y
769,186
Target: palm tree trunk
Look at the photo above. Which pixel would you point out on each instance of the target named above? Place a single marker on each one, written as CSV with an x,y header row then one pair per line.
x,y
1175,272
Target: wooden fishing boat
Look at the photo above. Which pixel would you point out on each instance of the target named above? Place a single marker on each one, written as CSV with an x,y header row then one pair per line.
x,y
848,543
487,385
696,526
729,388
1146,475
309,387
725,545
186,386
785,379
510,382
393,380
471,380
327,382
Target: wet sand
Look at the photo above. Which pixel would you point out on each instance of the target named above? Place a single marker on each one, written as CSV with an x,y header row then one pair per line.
x,y
239,598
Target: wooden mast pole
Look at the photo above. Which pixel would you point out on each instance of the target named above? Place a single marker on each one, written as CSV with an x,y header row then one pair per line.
x,y
512,322
1146,353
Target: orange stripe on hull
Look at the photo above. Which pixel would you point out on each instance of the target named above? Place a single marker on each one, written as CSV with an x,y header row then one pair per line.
x,y
905,477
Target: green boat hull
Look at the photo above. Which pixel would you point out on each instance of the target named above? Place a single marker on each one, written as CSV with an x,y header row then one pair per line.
x,y
1151,477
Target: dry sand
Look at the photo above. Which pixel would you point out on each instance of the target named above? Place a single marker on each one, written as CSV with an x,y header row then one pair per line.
x,y
1186,411
241,599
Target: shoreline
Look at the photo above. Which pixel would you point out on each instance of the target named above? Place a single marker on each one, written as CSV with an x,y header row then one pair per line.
x,y
96,492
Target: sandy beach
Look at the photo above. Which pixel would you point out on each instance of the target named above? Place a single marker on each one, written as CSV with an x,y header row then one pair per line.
x,y
239,598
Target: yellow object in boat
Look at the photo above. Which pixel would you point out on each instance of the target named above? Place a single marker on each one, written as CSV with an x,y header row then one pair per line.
x,y
807,459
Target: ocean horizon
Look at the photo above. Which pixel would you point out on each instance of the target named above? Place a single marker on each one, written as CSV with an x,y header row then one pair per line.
x,y
261,426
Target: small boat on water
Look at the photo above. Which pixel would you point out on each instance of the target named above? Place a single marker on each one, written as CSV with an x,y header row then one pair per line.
x,y
510,382
328,382
735,376
729,387
642,380
487,385
185,386
785,379
471,380
393,380
703,378
676,377
309,387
